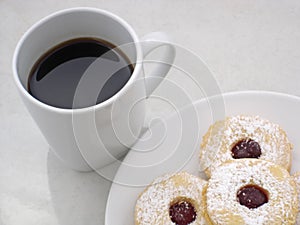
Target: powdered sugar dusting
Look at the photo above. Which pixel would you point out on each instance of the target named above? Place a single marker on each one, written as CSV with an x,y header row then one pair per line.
x,y
152,207
217,146
226,181
297,180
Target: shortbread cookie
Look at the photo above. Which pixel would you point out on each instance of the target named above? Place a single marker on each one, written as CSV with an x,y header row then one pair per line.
x,y
175,199
297,180
251,192
244,137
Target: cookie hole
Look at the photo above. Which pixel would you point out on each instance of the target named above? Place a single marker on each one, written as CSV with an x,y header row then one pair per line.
x,y
246,148
182,211
252,196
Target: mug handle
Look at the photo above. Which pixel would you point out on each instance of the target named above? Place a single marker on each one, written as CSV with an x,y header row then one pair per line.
x,y
149,43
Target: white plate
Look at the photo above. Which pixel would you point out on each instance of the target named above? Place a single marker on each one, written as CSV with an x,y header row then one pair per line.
x,y
174,145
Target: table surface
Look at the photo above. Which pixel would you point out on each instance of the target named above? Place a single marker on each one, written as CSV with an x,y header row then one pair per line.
x,y
248,45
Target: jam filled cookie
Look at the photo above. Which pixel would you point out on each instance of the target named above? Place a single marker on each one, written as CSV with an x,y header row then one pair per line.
x,y
251,191
297,180
244,137
172,199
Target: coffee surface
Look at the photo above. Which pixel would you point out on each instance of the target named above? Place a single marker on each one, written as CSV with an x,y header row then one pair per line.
x,y
79,73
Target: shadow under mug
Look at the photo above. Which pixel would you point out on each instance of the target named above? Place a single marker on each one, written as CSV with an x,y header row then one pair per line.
x,y
92,137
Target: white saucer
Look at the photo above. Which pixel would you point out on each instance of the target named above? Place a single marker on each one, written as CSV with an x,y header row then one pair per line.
x,y
174,144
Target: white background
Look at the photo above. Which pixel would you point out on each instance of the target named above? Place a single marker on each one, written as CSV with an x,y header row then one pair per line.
x,y
246,44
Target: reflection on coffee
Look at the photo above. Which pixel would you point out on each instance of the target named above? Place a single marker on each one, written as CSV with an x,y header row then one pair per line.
x,y
79,73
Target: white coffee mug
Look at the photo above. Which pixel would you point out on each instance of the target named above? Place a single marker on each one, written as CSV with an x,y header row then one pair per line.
x,y
92,137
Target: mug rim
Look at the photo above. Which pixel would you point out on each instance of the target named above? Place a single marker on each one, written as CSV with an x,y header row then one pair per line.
x,y
103,104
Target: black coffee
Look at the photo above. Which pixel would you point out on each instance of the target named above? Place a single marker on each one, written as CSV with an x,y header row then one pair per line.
x,y
79,73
